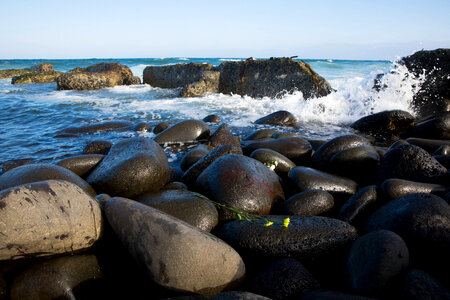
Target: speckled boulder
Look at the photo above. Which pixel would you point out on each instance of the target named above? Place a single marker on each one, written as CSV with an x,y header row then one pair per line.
x,y
307,237
81,164
132,167
242,183
309,203
47,218
184,131
281,118
175,254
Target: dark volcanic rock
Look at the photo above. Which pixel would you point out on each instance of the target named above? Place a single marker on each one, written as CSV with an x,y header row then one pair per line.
x,y
184,131
359,205
132,167
208,83
418,285
97,147
160,127
411,163
40,172
175,254
309,203
271,78
268,156
285,279
238,295
223,136
260,134
212,119
282,118
142,127
428,144
434,128
375,259
193,156
174,76
358,163
394,188
97,76
331,295
184,205
307,237
100,127
389,121
11,164
81,164
241,183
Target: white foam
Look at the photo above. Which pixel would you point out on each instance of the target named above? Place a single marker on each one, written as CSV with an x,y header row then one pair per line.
x,y
230,59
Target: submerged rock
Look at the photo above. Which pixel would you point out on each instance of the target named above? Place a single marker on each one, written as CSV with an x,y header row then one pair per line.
x,y
100,127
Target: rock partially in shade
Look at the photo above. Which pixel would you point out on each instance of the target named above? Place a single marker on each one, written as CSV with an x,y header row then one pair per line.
x,y
241,183
238,295
97,147
160,127
281,118
395,188
418,285
331,295
428,144
100,127
359,163
81,164
212,119
388,121
375,259
223,136
193,156
11,164
359,205
442,150
434,128
269,157
176,255
190,207
132,167
184,131
260,134
47,218
309,203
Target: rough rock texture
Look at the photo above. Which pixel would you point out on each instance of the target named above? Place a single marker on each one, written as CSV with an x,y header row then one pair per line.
x,y
389,121
97,147
184,131
271,78
176,255
9,73
97,76
47,218
242,183
282,118
306,237
35,77
208,83
434,94
40,172
175,76
81,164
133,166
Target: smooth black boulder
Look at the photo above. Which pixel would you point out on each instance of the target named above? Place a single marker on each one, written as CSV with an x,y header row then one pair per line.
x,y
389,121
260,134
281,164
100,127
193,156
97,147
395,188
359,163
427,144
212,119
359,205
160,127
433,128
81,164
184,131
418,285
281,118
223,136
309,203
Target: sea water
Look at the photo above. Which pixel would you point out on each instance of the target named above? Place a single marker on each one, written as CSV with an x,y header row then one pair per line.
x,y
31,115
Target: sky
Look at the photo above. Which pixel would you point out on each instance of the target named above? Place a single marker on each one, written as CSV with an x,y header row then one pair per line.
x,y
357,29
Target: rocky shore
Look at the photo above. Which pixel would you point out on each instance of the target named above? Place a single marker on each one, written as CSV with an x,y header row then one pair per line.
x,y
270,215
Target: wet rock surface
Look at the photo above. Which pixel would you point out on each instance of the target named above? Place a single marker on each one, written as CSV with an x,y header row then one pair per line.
x,y
269,157
395,188
175,76
309,203
81,164
392,121
359,206
281,118
419,285
208,83
184,131
223,136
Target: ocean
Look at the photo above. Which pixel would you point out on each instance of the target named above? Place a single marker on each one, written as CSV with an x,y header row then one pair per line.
x,y
31,115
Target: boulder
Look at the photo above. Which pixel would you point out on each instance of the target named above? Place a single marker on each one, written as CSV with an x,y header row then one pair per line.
x,y
133,166
418,285
174,76
98,147
223,136
359,163
47,218
81,164
11,164
281,118
207,84
279,135
193,156
269,157
184,131
271,78
331,295
260,134
241,183
212,119
100,127
9,73
97,76
176,255
428,144
238,295
309,203
160,127
442,150
307,237
395,188
358,207
389,121
433,128
142,127
36,77
40,172
43,68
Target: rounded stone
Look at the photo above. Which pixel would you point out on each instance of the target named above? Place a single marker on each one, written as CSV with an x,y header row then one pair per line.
x,y
41,172
395,188
97,147
142,127
238,295
184,131
268,156
279,135
389,121
442,150
212,119
160,127
194,155
223,136
177,255
398,143
309,203
132,167
281,118
47,218
358,207
358,162
242,183
99,127
418,285
81,164
331,295
307,237
260,134
11,164
443,160
434,128
428,145
187,206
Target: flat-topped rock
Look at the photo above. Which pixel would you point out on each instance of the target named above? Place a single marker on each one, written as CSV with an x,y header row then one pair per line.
x,y
174,76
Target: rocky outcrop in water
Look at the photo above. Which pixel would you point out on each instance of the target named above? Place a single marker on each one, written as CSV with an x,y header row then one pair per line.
x,y
42,73
9,73
97,76
175,76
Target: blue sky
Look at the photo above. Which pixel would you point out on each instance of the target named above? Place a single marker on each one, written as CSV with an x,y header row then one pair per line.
x,y
199,28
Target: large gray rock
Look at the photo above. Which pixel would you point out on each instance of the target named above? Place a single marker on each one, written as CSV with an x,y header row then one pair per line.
x,y
271,78
132,167
175,254
47,218
174,76
184,131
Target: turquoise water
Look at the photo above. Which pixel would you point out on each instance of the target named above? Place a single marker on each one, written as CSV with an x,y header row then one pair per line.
x,y
31,115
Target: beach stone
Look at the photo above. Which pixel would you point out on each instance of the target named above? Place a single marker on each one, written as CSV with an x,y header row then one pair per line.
x,y
422,220
190,176
41,172
395,188
190,207
310,179
260,134
331,295
184,131
388,121
241,183
66,135
398,143
279,135
160,127
307,237
223,136
194,155
58,278
97,76
418,285
281,118
442,150
238,295
434,128
358,207
316,144
283,164
9,73
358,162
174,76
176,255
142,127
323,154
272,78
207,84
309,203
175,185
11,164
427,144
285,279
133,166
375,259
36,77
81,164
411,163
47,218
212,119
97,147
294,148
100,127
443,160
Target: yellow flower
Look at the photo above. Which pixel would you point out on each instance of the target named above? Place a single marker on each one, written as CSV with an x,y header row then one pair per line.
x,y
269,223
286,222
